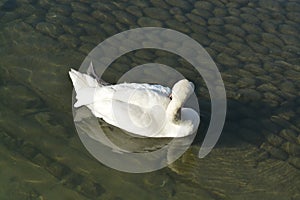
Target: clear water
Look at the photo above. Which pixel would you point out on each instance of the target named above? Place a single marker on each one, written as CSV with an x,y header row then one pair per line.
x,y
256,47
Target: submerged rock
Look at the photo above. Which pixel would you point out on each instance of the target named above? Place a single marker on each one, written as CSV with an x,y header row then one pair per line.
x,y
55,18
294,16
256,47
160,4
8,16
248,10
146,21
26,99
124,17
253,38
292,6
180,18
288,29
234,30
134,10
270,5
64,10
275,152
248,56
234,12
69,40
91,29
103,16
246,83
217,37
157,13
239,46
176,11
75,31
220,47
295,162
225,59
196,19
232,20
215,21
289,135
203,5
267,87
83,17
262,14
271,38
203,13
220,12
249,18
90,188
86,48
109,29
249,95
26,10
173,24
251,28
291,148
33,19
140,3
233,37
181,4
274,140
49,29
80,7
269,26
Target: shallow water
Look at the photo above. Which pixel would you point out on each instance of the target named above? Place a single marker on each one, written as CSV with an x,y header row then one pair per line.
x,y
256,47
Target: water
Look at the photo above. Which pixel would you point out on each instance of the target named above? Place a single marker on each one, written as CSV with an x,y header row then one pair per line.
x,y
256,47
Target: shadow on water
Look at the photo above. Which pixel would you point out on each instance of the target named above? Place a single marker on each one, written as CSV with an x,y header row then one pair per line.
x,y
9,5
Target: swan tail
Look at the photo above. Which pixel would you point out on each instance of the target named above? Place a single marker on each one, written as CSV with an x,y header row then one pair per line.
x,y
81,80
84,86
91,71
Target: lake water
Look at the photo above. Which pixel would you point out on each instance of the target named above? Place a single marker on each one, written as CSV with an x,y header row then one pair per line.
x,y
256,47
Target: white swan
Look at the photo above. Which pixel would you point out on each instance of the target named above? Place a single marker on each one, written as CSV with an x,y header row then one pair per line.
x,y
142,109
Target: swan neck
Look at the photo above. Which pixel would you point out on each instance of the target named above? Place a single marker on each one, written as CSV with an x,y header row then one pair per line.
x,y
172,109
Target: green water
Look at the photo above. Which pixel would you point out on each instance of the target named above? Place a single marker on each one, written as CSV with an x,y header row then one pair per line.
x,y
256,47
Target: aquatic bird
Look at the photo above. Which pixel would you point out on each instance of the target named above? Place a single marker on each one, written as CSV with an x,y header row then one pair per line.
x,y
139,108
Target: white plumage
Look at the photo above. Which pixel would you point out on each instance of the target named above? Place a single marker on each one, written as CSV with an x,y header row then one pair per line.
x,y
141,109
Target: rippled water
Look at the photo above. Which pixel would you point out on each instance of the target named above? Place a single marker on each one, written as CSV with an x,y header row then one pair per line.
x,y
255,45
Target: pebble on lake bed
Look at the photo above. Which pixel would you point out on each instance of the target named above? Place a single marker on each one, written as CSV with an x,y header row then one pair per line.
x,y
146,21
49,29
275,152
256,47
291,148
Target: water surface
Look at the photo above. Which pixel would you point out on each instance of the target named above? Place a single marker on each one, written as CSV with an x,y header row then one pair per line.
x,y
255,45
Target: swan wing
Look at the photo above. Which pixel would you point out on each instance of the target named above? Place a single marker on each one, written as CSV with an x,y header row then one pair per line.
x,y
161,90
132,118
142,95
88,90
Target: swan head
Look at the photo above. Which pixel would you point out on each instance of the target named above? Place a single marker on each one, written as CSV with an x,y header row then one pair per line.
x,y
181,91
